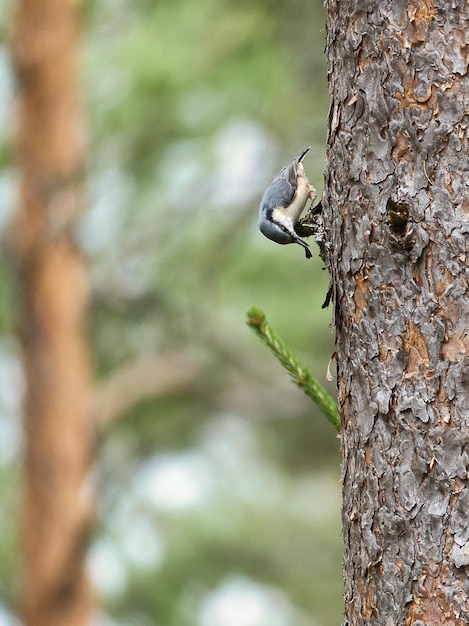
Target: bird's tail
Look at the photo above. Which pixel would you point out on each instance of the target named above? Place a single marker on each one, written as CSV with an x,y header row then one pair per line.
x,y
302,155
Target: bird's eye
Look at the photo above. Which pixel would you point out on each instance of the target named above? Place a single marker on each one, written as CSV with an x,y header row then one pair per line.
x,y
285,230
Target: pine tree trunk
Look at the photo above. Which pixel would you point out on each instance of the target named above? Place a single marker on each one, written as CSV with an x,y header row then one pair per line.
x,y
58,494
397,216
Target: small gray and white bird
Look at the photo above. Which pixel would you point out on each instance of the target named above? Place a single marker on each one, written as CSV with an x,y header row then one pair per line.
x,y
283,203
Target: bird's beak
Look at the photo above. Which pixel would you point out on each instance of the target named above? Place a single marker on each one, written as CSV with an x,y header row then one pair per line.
x,y
304,244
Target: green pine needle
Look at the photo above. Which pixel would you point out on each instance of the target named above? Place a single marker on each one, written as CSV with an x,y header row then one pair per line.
x,y
300,374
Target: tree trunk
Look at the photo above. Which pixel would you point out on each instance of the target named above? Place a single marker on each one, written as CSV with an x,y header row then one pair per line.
x,y
58,494
396,212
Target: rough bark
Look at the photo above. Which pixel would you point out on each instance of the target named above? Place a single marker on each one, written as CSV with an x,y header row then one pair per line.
x,y
58,494
397,219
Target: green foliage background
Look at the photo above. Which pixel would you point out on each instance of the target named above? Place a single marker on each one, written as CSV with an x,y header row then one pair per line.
x,y
179,96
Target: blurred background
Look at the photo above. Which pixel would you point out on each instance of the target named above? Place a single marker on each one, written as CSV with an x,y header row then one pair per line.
x,y
219,496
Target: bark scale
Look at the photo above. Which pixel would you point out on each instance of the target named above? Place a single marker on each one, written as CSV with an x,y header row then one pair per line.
x,y
397,219
58,500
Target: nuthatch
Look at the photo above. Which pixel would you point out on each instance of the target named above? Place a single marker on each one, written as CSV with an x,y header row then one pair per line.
x,y
283,202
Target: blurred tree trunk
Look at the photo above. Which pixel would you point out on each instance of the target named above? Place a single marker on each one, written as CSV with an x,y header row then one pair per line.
x,y
397,214
58,496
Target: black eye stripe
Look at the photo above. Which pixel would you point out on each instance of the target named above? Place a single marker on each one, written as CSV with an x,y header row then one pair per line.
x,y
281,226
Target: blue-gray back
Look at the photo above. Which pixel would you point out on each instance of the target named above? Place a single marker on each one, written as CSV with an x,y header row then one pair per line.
x,y
282,189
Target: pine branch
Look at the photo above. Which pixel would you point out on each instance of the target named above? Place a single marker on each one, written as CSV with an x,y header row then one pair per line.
x,y
300,375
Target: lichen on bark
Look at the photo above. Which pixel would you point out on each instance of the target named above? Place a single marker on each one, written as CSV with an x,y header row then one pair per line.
x,y
396,213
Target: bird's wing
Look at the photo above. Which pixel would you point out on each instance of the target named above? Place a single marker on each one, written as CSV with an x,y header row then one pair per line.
x,y
291,173
280,192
